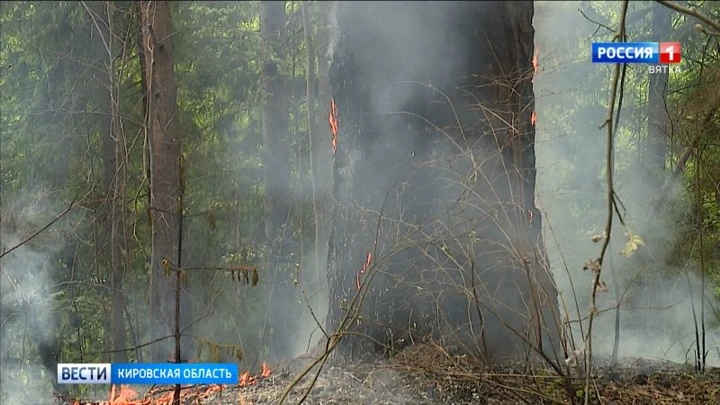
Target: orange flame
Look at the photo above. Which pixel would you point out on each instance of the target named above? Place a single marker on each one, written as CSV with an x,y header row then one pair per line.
x,y
125,395
246,379
265,371
368,262
332,120
533,116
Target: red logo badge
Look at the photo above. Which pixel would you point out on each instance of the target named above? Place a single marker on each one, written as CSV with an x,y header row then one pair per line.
x,y
670,52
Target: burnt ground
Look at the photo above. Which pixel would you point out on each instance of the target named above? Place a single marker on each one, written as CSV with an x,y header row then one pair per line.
x,y
425,374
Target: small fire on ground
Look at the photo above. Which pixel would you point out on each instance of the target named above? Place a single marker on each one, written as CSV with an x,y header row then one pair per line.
x,y
125,395
248,379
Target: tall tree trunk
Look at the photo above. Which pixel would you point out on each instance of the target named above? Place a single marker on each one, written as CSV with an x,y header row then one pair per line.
x,y
139,44
165,153
316,146
113,173
656,155
513,42
322,155
434,171
276,168
275,121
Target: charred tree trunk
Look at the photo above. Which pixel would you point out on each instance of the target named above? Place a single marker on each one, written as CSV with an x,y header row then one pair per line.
x,y
113,175
165,157
435,178
277,169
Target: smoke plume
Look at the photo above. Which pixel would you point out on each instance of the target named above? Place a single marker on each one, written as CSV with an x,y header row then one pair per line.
x,y
28,307
656,299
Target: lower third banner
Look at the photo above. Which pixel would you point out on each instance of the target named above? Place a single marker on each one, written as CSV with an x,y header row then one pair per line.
x,y
147,374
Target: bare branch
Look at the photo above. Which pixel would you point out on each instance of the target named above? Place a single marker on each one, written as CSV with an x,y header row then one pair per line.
x,y
596,267
693,13
39,231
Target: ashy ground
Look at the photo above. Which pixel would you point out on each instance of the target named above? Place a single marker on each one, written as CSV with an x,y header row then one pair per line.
x,y
425,374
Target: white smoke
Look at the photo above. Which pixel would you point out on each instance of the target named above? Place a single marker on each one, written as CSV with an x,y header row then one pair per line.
x,y
333,27
656,309
26,302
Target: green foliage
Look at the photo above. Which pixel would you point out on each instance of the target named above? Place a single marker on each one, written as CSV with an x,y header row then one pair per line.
x,y
52,137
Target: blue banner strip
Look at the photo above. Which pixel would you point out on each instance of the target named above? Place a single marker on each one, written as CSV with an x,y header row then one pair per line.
x,y
625,52
170,373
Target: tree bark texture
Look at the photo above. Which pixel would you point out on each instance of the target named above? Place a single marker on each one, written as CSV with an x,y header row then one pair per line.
x,y
165,152
435,178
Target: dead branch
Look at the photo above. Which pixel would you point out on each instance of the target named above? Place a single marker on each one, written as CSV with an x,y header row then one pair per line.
x,y
39,231
693,13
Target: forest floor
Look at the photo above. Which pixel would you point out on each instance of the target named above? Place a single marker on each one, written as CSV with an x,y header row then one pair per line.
x,y
426,374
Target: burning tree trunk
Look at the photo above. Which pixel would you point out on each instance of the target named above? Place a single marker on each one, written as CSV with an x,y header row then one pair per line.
x,y
165,157
435,177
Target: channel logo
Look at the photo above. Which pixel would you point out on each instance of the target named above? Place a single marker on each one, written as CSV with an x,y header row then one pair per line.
x,y
658,53
97,373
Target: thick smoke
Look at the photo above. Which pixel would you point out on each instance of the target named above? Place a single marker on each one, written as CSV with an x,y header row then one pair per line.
x,y
408,46
425,160
28,317
656,304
